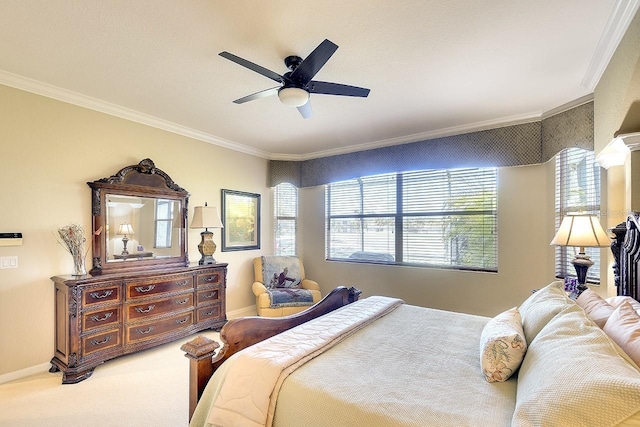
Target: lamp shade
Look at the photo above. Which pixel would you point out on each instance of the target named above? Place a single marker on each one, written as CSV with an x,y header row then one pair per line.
x,y
293,96
125,229
206,217
581,230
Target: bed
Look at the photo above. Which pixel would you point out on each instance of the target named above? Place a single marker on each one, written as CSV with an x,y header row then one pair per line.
x,y
377,361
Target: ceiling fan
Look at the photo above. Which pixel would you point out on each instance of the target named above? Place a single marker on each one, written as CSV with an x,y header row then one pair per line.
x,y
296,85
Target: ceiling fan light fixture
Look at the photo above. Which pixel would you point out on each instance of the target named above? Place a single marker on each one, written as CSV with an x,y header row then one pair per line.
x,y
293,96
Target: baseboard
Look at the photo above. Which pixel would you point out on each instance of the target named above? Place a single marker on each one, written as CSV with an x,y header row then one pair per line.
x,y
16,375
242,312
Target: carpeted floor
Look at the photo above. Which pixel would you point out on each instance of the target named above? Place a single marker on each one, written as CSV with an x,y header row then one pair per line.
x,y
145,389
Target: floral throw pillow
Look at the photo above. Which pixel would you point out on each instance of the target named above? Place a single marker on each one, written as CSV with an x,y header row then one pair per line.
x,y
502,346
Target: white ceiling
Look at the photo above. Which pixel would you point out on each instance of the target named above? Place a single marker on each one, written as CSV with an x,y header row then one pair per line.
x,y
434,67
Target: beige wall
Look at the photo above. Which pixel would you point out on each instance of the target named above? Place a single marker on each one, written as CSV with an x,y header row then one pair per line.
x,y
525,259
617,90
49,150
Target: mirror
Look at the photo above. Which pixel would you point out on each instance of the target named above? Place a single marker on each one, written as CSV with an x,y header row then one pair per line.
x,y
139,220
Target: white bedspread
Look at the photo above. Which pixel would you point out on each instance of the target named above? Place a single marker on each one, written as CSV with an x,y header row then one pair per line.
x,y
249,389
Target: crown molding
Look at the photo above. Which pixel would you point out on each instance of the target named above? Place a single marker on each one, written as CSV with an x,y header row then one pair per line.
x,y
70,97
617,24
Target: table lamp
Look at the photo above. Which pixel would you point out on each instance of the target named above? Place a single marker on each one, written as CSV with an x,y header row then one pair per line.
x,y
581,230
206,217
125,229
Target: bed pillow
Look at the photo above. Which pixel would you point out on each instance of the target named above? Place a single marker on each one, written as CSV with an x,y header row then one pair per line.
x,y
595,306
617,301
542,306
623,327
574,375
502,346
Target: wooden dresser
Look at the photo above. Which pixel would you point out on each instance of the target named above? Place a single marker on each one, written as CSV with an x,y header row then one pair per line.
x,y
106,316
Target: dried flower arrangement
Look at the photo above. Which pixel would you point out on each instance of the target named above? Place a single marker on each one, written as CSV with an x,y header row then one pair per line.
x,y
74,241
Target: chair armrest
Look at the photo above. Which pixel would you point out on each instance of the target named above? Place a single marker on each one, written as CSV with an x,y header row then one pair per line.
x,y
310,284
258,288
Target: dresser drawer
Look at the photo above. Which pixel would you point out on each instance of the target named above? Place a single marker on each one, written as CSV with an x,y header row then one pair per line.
x,y
206,296
145,331
161,306
96,319
212,277
101,341
102,294
209,312
145,288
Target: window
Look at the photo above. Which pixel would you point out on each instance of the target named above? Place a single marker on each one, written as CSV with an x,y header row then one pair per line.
x,y
444,218
285,207
577,190
164,223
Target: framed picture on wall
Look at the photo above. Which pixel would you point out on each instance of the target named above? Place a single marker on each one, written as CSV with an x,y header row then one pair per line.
x,y
241,220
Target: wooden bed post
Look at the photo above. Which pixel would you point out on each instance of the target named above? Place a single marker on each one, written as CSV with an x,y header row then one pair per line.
x,y
200,352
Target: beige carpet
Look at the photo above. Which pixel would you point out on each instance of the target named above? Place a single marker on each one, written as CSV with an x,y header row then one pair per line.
x,y
145,389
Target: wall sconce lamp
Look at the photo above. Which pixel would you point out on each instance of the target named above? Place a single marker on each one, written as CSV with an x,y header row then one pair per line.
x,y
206,217
581,230
123,230
616,152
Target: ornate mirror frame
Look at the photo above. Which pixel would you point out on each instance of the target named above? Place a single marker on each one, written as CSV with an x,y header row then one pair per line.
x,y
143,180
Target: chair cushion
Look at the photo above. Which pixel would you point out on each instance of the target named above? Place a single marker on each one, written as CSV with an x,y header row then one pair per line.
x,y
289,297
281,272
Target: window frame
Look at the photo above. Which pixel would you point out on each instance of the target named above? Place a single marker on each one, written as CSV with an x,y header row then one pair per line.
x,y
565,254
284,192
401,214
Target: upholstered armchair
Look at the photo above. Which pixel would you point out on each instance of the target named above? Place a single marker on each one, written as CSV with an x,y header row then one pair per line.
x,y
281,288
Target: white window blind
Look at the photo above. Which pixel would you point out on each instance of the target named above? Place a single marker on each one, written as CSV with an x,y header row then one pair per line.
x,y
164,223
577,190
285,205
445,218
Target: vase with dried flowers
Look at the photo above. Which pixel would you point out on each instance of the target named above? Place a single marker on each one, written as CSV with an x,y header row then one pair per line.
x,y
74,241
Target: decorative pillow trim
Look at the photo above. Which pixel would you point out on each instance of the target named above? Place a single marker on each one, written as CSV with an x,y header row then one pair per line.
x,y
502,346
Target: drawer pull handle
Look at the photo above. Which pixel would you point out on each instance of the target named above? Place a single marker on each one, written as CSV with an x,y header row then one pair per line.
x,y
210,279
96,295
210,295
145,310
181,302
104,341
183,283
180,321
102,319
143,289
208,313
143,331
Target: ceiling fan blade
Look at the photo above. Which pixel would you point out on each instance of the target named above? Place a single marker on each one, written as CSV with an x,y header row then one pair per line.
x,y
253,67
306,110
328,88
310,66
257,95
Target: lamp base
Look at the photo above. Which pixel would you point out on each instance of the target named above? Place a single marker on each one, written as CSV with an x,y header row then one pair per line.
x,y
125,239
207,248
581,263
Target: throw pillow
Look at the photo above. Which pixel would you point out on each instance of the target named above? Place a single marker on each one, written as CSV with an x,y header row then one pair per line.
x,y
595,306
281,272
541,307
502,346
623,327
